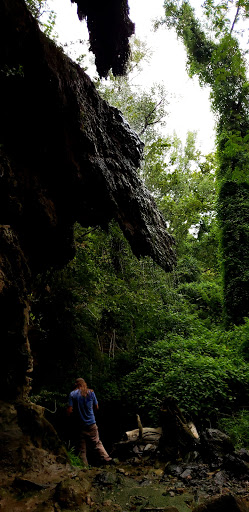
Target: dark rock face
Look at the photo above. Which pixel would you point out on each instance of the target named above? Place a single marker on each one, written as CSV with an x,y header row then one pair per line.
x,y
65,156
235,465
224,503
26,436
214,446
15,277
109,29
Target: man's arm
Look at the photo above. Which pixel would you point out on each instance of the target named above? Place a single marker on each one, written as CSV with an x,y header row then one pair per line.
x,y
70,405
95,401
95,407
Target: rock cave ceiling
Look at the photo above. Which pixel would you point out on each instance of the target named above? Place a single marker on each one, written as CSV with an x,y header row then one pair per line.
x,y
67,155
109,28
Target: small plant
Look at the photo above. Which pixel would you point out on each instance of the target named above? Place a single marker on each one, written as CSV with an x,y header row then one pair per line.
x,y
237,428
75,460
14,71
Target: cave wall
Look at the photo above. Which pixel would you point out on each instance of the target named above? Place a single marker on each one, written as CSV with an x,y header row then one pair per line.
x,y
65,156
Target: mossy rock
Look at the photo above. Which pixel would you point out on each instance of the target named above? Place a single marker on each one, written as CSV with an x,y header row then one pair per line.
x,y
71,493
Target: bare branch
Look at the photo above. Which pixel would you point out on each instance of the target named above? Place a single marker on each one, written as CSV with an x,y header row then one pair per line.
x,y
235,18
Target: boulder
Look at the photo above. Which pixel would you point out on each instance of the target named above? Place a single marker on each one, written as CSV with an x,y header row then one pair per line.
x,y
224,503
71,494
214,446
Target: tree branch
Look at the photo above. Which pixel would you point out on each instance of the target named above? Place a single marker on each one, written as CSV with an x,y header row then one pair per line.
x,y
147,121
235,18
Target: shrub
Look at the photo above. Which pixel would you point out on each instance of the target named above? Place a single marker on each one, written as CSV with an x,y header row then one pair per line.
x,y
237,427
206,374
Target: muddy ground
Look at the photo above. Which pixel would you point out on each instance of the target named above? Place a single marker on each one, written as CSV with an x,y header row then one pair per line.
x,y
131,486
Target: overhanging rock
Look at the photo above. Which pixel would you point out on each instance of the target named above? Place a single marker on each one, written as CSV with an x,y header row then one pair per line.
x,y
65,156
109,29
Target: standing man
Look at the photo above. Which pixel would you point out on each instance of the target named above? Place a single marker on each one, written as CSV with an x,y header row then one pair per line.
x,y
83,404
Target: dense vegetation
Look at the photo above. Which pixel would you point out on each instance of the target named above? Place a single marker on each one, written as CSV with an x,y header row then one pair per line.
x,y
135,333
214,55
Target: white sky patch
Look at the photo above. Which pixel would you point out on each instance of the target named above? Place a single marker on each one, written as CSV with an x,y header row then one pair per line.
x,y
189,105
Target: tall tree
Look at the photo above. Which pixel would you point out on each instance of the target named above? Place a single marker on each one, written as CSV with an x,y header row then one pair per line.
x,y
181,180
145,110
215,56
183,183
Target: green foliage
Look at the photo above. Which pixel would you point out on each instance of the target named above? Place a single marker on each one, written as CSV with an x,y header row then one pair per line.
x,y
93,317
234,238
51,400
140,53
233,154
103,303
75,460
44,15
183,184
14,71
206,299
206,374
36,7
132,331
237,428
224,15
199,48
144,110
220,63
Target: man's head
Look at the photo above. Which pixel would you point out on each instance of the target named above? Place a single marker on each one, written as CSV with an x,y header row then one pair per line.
x,y
82,385
79,382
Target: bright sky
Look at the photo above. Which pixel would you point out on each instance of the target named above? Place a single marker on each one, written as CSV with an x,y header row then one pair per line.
x,y
189,106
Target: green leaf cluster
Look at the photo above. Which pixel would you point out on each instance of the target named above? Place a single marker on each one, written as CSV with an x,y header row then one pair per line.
x,y
145,110
236,426
205,372
45,16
